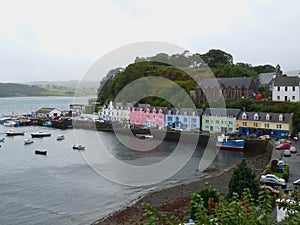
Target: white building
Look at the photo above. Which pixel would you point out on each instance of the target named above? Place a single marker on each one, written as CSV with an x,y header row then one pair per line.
x,y
118,112
286,88
48,112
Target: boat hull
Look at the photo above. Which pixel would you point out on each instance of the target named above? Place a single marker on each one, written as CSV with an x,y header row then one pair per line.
x,y
14,133
40,152
40,135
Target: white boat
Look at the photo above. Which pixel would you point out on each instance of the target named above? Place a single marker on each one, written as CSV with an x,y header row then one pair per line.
x,y
9,123
60,137
12,132
28,141
78,147
40,134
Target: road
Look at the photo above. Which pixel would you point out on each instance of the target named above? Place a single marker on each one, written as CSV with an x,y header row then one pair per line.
x,y
294,174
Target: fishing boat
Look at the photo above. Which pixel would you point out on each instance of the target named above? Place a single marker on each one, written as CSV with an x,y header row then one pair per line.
x,y
12,132
40,152
40,134
28,141
227,143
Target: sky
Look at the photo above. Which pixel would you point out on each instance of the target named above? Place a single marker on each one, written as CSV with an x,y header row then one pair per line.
x,y
60,40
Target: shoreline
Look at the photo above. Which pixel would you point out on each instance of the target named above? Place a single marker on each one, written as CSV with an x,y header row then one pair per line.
x,y
175,200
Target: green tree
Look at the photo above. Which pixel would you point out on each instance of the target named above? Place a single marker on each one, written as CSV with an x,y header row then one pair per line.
x,y
216,57
243,177
264,69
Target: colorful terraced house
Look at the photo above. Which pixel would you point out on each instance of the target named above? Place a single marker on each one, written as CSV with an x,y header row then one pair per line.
x,y
255,124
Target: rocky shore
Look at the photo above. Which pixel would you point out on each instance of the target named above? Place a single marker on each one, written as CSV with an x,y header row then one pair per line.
x,y
175,200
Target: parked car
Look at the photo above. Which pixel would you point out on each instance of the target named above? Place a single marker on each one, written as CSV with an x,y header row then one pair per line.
x,y
287,153
293,149
265,137
281,141
272,180
270,189
285,145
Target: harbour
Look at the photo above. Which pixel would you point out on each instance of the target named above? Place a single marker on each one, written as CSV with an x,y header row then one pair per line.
x,y
61,187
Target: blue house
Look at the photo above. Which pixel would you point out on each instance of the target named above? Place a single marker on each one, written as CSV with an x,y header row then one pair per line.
x,y
185,118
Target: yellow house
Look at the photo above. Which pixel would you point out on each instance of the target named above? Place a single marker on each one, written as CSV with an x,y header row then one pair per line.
x,y
260,123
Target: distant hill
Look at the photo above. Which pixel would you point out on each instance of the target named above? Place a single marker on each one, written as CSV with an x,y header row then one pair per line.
x,y
73,84
19,90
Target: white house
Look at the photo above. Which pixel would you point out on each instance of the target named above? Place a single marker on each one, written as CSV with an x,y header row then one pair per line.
x,y
286,88
119,112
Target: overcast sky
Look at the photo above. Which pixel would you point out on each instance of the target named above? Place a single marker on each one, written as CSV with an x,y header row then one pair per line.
x,y
60,40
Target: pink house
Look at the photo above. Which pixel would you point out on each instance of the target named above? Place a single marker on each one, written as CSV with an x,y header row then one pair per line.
x,y
147,117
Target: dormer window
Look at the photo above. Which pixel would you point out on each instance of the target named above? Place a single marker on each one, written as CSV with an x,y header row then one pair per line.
x,y
256,117
280,117
267,117
244,116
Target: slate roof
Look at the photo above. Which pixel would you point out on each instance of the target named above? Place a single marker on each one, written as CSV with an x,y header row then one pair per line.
x,y
286,81
274,117
221,112
183,110
265,78
227,82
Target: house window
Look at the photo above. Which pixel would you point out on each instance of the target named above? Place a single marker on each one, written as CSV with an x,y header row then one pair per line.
x,y
217,121
278,88
267,125
255,116
206,121
294,88
231,123
278,97
293,97
286,88
244,124
244,116
278,126
255,124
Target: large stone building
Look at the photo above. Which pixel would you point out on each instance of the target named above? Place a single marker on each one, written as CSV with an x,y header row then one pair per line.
x,y
230,88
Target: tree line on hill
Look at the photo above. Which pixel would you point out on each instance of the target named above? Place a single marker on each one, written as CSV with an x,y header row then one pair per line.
x,y
184,69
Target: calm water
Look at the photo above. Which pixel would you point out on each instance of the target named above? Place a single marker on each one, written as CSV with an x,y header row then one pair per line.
x,y
61,188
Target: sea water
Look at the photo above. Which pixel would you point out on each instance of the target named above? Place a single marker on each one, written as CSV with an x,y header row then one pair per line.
x,y
62,187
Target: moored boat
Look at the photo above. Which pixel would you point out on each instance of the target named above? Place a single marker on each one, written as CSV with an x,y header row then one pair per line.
x,y
78,147
40,152
28,141
227,143
13,132
40,134
60,137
